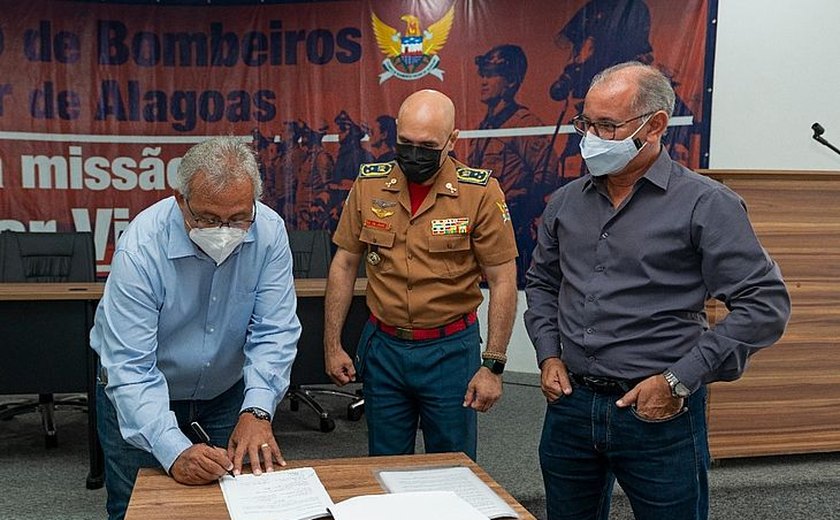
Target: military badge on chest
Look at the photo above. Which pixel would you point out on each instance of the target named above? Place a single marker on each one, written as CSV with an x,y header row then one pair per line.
x,y
451,226
383,208
373,257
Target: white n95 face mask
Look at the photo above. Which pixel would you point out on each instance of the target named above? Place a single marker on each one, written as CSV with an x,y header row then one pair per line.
x,y
604,157
218,243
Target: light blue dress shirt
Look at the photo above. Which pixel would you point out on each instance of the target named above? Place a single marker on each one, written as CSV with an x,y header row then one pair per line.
x,y
172,325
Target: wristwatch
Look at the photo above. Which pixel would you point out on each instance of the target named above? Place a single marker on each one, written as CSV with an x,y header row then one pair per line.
x,y
259,413
495,366
677,389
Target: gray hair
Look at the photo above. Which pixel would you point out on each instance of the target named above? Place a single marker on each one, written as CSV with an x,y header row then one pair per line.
x,y
222,159
654,88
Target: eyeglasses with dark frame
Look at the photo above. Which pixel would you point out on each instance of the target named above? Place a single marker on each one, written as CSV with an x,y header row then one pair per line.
x,y
203,222
603,129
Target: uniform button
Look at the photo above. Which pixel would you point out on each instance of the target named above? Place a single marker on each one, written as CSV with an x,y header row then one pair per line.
x,y
207,364
590,298
599,268
211,329
605,234
591,359
590,330
213,298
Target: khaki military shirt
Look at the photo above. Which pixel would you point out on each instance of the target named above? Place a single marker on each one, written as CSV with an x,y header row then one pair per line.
x,y
423,270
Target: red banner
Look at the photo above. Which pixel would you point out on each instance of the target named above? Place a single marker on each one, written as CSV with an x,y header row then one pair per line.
x,y
99,101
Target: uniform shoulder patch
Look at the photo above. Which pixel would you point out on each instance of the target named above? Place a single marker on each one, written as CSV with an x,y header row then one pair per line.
x,y
375,170
473,175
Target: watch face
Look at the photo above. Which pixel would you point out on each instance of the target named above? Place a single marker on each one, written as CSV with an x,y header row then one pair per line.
x,y
681,390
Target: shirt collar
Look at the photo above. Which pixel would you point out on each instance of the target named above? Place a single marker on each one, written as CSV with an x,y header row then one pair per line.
x,y
659,173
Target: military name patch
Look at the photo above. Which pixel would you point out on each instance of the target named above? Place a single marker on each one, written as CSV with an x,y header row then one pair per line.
x,y
375,224
375,170
451,226
502,205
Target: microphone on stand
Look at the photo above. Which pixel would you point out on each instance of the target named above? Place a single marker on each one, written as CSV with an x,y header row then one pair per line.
x,y
818,132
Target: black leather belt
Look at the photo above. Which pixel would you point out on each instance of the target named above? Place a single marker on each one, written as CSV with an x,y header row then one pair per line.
x,y
605,385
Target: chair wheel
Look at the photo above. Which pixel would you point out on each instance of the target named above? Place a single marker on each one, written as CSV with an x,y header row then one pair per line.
x,y
327,424
354,413
50,441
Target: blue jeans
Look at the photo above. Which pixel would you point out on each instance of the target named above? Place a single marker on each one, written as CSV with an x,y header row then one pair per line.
x,y
588,443
218,416
407,381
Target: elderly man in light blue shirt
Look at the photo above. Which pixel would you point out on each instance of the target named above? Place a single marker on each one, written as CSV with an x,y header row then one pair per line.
x,y
197,324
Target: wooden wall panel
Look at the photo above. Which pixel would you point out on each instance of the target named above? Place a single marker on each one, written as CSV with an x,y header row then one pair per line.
x,y
789,399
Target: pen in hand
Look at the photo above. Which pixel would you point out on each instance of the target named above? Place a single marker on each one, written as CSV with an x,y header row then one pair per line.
x,y
202,435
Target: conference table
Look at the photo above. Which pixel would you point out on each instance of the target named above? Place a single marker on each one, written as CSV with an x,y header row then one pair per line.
x,y
157,496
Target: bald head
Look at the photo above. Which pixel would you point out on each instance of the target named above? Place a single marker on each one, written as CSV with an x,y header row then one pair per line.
x,y
430,110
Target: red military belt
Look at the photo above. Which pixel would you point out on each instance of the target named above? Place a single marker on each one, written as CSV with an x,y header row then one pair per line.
x,y
425,334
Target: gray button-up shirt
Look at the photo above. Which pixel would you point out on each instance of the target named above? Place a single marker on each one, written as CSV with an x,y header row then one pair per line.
x,y
620,292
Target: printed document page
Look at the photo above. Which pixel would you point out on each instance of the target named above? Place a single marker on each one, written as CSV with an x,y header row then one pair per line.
x,y
440,505
459,479
289,494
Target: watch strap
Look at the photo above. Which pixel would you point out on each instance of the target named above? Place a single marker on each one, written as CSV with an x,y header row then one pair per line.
x,y
259,413
494,365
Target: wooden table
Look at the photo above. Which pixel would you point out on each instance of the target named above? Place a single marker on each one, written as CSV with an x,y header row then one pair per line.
x,y
157,496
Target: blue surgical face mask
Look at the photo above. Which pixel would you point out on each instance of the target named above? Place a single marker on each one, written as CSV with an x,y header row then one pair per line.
x,y
605,157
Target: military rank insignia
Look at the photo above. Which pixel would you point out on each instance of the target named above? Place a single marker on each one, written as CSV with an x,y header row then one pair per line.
x,y
451,226
375,170
502,205
473,175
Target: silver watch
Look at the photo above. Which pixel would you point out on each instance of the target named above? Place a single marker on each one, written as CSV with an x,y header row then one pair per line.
x,y
677,389
259,413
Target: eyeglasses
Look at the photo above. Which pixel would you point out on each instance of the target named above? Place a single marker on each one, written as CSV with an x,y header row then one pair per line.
x,y
603,129
210,222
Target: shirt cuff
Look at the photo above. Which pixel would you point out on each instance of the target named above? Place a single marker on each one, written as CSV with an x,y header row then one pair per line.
x,y
547,349
169,446
260,398
689,371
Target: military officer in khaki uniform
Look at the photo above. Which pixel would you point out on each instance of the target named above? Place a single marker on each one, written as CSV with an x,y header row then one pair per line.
x,y
427,228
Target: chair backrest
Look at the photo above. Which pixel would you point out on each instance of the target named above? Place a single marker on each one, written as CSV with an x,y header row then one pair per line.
x,y
47,257
311,253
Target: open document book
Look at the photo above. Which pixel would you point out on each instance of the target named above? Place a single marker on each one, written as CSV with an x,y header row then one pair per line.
x,y
452,493
289,494
458,479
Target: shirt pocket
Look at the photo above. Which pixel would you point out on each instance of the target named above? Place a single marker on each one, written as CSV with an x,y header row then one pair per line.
x,y
240,308
382,242
454,250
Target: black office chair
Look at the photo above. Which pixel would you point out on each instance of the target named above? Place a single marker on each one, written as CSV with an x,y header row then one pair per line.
x,y
311,252
44,257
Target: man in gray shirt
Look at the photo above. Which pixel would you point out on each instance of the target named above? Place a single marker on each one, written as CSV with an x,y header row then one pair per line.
x,y
625,260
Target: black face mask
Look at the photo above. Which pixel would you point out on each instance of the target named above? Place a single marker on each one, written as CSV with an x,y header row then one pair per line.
x,y
417,163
